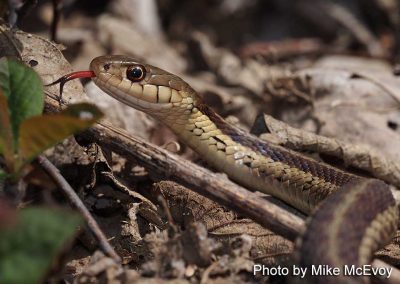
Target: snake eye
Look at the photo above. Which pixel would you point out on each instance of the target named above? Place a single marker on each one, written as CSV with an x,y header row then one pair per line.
x,y
135,73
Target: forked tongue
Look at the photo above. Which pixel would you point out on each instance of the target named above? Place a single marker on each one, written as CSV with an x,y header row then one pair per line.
x,y
74,75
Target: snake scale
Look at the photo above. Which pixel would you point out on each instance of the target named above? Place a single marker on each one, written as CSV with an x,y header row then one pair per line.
x,y
350,216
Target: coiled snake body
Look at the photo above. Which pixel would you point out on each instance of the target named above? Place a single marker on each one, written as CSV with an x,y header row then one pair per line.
x,y
358,215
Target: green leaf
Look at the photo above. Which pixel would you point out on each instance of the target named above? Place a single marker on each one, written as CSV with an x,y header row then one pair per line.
x,y
6,137
29,248
23,90
41,132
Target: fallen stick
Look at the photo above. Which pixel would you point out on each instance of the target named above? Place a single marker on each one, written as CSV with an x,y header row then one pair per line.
x,y
53,172
214,186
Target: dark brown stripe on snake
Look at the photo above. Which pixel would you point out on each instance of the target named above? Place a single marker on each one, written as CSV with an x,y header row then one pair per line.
x,y
277,153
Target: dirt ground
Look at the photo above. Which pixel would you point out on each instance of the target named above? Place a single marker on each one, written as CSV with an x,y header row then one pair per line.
x,y
320,77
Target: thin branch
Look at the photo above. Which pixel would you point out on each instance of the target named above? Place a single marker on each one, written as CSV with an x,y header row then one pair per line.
x,y
212,185
53,172
199,179
354,26
203,181
57,7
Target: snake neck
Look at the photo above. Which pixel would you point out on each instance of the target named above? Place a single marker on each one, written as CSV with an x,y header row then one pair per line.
x,y
199,127
255,163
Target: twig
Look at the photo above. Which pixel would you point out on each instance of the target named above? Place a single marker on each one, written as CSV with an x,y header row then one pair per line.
x,y
167,165
57,6
167,212
74,198
278,50
392,93
354,26
201,180
206,273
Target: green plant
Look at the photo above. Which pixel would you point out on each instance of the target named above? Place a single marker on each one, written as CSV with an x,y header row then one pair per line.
x,y
30,243
24,131
31,238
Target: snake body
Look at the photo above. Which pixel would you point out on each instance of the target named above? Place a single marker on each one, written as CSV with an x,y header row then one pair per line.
x,y
355,216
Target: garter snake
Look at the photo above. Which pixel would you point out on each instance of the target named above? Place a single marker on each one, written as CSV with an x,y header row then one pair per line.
x,y
350,216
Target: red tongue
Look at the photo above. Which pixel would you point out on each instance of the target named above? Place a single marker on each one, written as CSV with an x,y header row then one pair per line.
x,y
74,75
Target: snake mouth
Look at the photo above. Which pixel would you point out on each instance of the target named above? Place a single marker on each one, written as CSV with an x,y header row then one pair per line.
x,y
140,85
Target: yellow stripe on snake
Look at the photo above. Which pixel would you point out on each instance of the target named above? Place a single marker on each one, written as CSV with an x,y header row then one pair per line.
x,y
357,215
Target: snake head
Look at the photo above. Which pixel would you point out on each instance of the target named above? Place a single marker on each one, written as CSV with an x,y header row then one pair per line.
x,y
142,86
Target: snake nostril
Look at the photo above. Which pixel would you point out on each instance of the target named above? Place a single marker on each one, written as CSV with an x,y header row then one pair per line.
x,y
106,67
